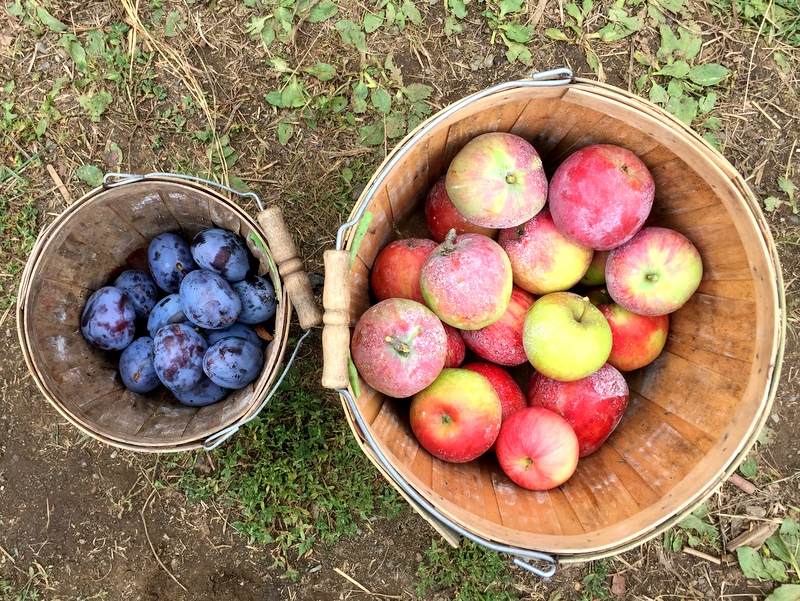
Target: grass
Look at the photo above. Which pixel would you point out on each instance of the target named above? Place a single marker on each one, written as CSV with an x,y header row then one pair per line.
x,y
294,477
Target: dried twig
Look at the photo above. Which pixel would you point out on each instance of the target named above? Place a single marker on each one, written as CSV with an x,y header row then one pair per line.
x,y
363,588
152,548
743,484
59,184
701,555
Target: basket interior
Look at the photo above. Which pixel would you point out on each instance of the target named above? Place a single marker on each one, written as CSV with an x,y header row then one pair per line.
x,y
692,413
84,249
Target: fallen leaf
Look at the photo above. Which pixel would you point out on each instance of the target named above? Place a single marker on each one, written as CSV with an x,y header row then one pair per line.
x,y
618,585
6,40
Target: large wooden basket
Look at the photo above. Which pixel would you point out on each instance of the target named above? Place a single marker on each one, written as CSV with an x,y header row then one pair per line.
x,y
98,235
693,413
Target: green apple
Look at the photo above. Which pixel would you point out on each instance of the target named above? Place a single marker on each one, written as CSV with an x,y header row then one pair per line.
x,y
565,336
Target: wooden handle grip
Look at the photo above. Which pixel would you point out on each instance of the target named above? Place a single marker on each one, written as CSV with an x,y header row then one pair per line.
x,y
336,320
290,267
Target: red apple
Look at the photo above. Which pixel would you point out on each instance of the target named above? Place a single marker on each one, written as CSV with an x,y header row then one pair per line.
x,y
537,449
542,258
497,180
395,272
501,341
457,417
456,349
655,272
565,336
467,281
441,215
399,347
512,399
601,195
636,340
592,405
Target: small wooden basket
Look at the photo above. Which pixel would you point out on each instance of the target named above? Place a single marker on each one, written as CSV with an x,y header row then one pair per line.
x,y
105,231
693,414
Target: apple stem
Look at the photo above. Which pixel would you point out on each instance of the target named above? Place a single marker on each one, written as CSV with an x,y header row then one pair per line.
x,y
652,277
448,245
586,303
398,345
511,178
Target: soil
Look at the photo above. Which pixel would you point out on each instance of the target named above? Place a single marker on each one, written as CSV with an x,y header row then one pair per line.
x,y
83,520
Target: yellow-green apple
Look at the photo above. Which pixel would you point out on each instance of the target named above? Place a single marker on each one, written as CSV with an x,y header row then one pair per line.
x,y
596,274
399,346
395,271
456,349
592,405
542,258
512,399
601,195
565,336
636,340
501,341
441,215
497,180
457,417
655,272
467,281
537,449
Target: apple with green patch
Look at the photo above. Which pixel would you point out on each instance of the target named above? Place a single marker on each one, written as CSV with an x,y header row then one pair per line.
x,y
497,180
565,336
542,258
457,417
596,274
441,215
512,399
655,272
399,347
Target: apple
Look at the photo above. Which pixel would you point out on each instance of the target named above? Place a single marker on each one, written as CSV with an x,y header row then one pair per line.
x,y
565,336
441,215
467,281
537,449
601,195
655,272
456,349
497,180
542,258
501,341
457,417
399,346
636,340
596,274
592,405
395,271
512,399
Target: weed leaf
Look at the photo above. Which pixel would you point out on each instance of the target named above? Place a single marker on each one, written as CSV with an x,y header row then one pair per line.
x,y
518,32
322,11
658,94
786,185
785,592
749,467
709,74
322,71
49,21
352,35
508,7
674,6
373,135
556,34
372,22
285,132
458,7
417,92
706,103
381,100
451,26
771,203
76,52
756,566
574,12
410,11
689,44
683,107
90,174
678,69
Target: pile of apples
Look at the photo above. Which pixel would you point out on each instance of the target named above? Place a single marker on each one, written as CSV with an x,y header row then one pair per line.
x,y
561,274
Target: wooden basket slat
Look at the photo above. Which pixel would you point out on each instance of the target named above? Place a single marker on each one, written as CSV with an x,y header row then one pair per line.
x,y
208,417
712,414
597,495
77,264
548,131
435,159
529,511
607,460
380,231
735,289
404,448
422,470
168,421
371,402
101,229
660,454
486,470
147,213
461,483
121,413
86,383
360,299
188,208
698,438
61,303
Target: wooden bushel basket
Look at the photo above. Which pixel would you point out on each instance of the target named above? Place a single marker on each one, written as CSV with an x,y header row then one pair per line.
x,y
109,229
693,413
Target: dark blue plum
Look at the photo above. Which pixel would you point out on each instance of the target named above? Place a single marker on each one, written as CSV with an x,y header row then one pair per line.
x,y
257,295
201,394
222,252
136,366
208,300
235,330
233,362
166,311
178,356
170,259
140,289
108,320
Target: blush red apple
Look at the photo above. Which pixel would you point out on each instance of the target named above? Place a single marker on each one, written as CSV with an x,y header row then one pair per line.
x,y
441,215
396,269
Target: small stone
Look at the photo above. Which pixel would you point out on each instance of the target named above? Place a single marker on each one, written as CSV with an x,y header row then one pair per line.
x,y
755,511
